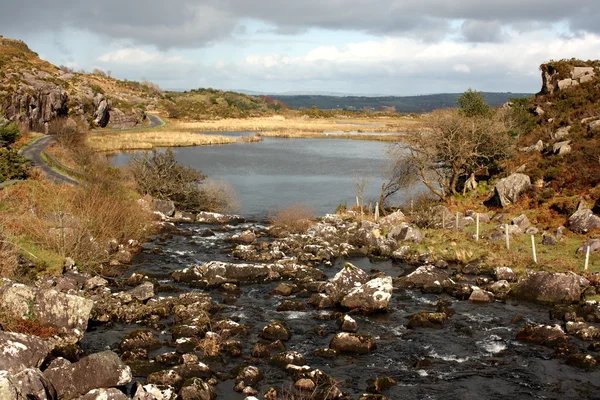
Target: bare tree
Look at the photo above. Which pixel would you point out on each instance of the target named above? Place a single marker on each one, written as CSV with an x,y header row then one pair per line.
x,y
360,183
452,149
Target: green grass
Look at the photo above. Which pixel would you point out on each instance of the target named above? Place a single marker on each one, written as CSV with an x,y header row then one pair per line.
x,y
46,261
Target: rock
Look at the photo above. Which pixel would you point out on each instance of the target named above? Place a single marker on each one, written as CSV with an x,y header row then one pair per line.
x,y
395,218
103,394
364,237
549,288
283,359
562,148
250,376
372,296
216,218
197,389
426,319
539,111
522,222
594,246
260,351
481,296
561,133
142,292
152,392
583,220
505,273
182,216
592,126
100,370
500,288
291,305
21,351
275,331
347,324
345,342
579,72
544,335
320,301
95,282
101,115
582,330
536,148
381,384
427,278
245,237
549,239
165,207
284,289
509,189
140,339
344,282
28,384
305,385
66,313
37,103
583,361
405,233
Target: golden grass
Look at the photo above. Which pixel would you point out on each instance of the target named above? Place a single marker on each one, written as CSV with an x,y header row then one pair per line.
x,y
148,140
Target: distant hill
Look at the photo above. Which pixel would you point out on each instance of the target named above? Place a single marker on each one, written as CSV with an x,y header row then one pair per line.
x,y
404,104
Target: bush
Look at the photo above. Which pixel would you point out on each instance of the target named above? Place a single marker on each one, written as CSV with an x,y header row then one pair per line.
x,y
9,132
67,133
220,197
12,165
294,219
421,211
9,260
161,176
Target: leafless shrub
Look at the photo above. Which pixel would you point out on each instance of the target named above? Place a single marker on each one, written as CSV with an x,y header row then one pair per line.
x,y
219,196
67,132
9,259
294,219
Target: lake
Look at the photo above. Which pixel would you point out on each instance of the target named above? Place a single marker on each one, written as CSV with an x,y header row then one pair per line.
x,y
276,173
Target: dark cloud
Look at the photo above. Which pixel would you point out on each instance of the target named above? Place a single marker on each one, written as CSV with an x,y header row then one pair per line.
x,y
189,23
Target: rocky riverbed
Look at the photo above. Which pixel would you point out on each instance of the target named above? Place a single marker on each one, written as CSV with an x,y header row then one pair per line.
x,y
223,308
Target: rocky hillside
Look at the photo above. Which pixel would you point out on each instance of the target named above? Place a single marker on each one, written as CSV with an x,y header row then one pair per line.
x,y
33,92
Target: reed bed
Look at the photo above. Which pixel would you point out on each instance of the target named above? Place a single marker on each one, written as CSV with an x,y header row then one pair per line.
x,y
148,140
299,134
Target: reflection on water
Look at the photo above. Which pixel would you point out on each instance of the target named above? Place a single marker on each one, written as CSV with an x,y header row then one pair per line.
x,y
275,173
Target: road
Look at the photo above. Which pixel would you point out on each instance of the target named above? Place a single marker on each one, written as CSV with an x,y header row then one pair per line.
x,y
33,153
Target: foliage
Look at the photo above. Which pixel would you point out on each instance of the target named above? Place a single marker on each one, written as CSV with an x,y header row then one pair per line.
x,y
472,104
296,218
9,260
12,165
9,132
161,176
453,149
67,132
219,196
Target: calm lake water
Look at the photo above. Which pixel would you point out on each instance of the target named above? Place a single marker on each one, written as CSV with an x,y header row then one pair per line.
x,y
276,173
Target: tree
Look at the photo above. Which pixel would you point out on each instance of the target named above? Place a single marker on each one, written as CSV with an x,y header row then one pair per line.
x,y
451,150
472,104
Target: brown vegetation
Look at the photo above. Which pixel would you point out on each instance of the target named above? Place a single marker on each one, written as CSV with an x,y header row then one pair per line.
x,y
297,218
113,142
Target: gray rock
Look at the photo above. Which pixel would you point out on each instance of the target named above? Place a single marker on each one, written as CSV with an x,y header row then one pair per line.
x,y
562,148
509,189
583,220
197,389
579,72
481,296
345,342
28,384
103,394
250,376
550,288
182,216
522,222
165,207
216,218
142,292
505,274
395,218
543,335
21,351
549,239
364,237
536,148
405,233
593,244
427,278
101,115
592,126
97,371
561,133
246,237
566,83
344,282
372,296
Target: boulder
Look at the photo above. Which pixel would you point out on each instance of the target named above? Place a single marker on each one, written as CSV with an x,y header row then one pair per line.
x,y
250,376
140,339
505,273
561,133
509,189
349,278
550,288
544,335
205,217
427,278
579,72
21,351
372,296
426,319
583,220
562,148
593,244
142,292
395,218
101,115
481,296
66,313
522,222
347,324
405,233
246,237
283,359
103,394
165,207
592,126
275,331
345,342
549,239
27,384
197,389
97,371
536,148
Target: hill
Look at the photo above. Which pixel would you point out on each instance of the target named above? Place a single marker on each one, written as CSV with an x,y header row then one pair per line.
x,y
404,104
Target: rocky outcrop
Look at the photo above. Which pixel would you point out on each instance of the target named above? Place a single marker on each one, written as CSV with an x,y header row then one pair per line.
x,y
36,103
117,119
550,288
554,80
21,351
583,220
101,370
102,108
509,189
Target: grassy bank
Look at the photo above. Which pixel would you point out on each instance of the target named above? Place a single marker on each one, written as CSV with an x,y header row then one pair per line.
x,y
111,142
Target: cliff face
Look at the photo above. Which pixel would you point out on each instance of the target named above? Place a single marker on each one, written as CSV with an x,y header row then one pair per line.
x,y
33,92
559,75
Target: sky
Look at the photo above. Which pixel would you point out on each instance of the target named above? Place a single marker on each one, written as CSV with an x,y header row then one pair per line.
x,y
385,47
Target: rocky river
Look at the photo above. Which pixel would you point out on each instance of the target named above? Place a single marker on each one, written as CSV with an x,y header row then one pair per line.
x,y
223,308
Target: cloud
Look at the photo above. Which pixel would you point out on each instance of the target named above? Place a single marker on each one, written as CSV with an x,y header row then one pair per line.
x,y
199,23
138,56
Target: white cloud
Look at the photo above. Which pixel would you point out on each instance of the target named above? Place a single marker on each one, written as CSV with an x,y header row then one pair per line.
x,y
139,56
462,68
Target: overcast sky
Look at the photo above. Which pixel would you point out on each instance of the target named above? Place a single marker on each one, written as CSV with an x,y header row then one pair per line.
x,y
392,47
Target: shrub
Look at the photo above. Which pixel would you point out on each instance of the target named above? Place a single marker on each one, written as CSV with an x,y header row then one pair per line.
x,y
9,260
12,165
67,132
9,132
296,218
421,210
219,196
161,176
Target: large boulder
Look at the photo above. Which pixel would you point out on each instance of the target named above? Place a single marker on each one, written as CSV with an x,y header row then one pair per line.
x,y
66,313
550,288
395,218
27,384
353,343
349,278
165,207
372,296
583,220
97,371
509,189
19,351
405,233
428,278
205,217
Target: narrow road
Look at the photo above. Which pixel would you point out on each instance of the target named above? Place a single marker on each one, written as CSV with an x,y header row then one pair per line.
x,y
33,153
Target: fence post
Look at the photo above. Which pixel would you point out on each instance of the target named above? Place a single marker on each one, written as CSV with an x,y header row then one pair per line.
x,y
376,211
533,249
507,237
457,220
477,227
587,258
